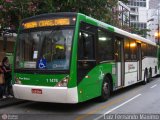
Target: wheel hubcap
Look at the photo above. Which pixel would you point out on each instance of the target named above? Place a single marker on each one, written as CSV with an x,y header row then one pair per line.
x,y
105,88
145,79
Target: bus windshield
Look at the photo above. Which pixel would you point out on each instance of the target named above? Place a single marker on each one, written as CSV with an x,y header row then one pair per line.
x,y
49,49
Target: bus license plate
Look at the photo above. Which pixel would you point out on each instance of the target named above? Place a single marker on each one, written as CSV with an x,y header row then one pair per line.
x,y
36,91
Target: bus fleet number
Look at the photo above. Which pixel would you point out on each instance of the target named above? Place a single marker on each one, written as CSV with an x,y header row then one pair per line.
x,y
52,80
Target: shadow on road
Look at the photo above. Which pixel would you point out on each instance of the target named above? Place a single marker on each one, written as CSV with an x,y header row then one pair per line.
x,y
74,108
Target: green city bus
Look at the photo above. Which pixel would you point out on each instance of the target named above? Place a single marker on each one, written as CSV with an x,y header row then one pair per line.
x,y
71,58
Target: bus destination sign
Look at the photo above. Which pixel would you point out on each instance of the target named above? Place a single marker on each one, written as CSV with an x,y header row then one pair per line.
x,y
46,23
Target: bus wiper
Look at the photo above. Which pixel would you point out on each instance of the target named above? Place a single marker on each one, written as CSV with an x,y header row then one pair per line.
x,y
54,29
52,33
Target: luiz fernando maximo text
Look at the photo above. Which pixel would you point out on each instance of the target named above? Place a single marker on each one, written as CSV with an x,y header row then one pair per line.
x,y
131,116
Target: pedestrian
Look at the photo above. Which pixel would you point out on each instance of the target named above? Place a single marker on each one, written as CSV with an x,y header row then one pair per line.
x,y
7,76
2,84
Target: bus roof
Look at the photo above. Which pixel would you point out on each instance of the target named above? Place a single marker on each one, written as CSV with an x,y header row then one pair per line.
x,y
119,31
134,36
98,23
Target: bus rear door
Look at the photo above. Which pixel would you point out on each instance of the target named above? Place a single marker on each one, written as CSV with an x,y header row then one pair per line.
x,y
119,54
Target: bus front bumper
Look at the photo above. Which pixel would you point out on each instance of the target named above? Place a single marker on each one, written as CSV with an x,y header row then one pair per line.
x,y
46,94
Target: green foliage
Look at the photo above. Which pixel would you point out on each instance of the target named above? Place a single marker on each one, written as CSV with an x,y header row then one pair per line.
x,y
13,11
141,32
124,1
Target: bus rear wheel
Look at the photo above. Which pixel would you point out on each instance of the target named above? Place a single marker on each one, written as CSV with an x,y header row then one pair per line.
x,y
150,74
145,77
106,89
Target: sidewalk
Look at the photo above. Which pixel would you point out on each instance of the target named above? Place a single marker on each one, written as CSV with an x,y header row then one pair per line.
x,y
10,101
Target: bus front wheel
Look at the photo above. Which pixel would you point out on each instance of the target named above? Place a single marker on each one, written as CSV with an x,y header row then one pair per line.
x,y
105,90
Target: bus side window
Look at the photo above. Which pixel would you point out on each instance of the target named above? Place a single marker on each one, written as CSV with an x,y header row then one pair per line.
x,y
133,50
105,45
127,49
86,46
117,49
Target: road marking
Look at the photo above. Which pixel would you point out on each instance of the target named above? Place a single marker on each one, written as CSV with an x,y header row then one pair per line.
x,y
153,86
111,110
100,108
95,111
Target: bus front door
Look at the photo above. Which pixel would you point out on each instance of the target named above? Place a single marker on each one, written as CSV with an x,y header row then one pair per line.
x,y
86,55
87,77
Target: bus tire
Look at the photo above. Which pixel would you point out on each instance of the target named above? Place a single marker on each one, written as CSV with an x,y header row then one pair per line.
x,y
105,90
150,74
145,80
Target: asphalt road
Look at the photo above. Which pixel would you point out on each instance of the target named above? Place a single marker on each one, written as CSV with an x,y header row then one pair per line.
x,y
134,101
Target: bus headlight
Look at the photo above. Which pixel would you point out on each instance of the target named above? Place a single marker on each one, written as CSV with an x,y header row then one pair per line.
x,y
63,83
17,81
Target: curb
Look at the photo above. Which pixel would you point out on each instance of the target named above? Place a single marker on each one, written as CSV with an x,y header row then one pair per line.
x,y
10,101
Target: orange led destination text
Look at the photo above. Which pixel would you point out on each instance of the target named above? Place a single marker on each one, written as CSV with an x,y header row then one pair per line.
x,y
43,23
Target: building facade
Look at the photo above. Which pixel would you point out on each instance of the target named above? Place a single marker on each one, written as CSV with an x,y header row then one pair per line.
x,y
124,14
153,16
138,13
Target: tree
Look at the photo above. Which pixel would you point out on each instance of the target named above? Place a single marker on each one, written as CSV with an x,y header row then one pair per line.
x,y
99,9
141,32
124,1
13,11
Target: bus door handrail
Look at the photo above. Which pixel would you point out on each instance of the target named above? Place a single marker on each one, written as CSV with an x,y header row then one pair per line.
x,y
87,60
